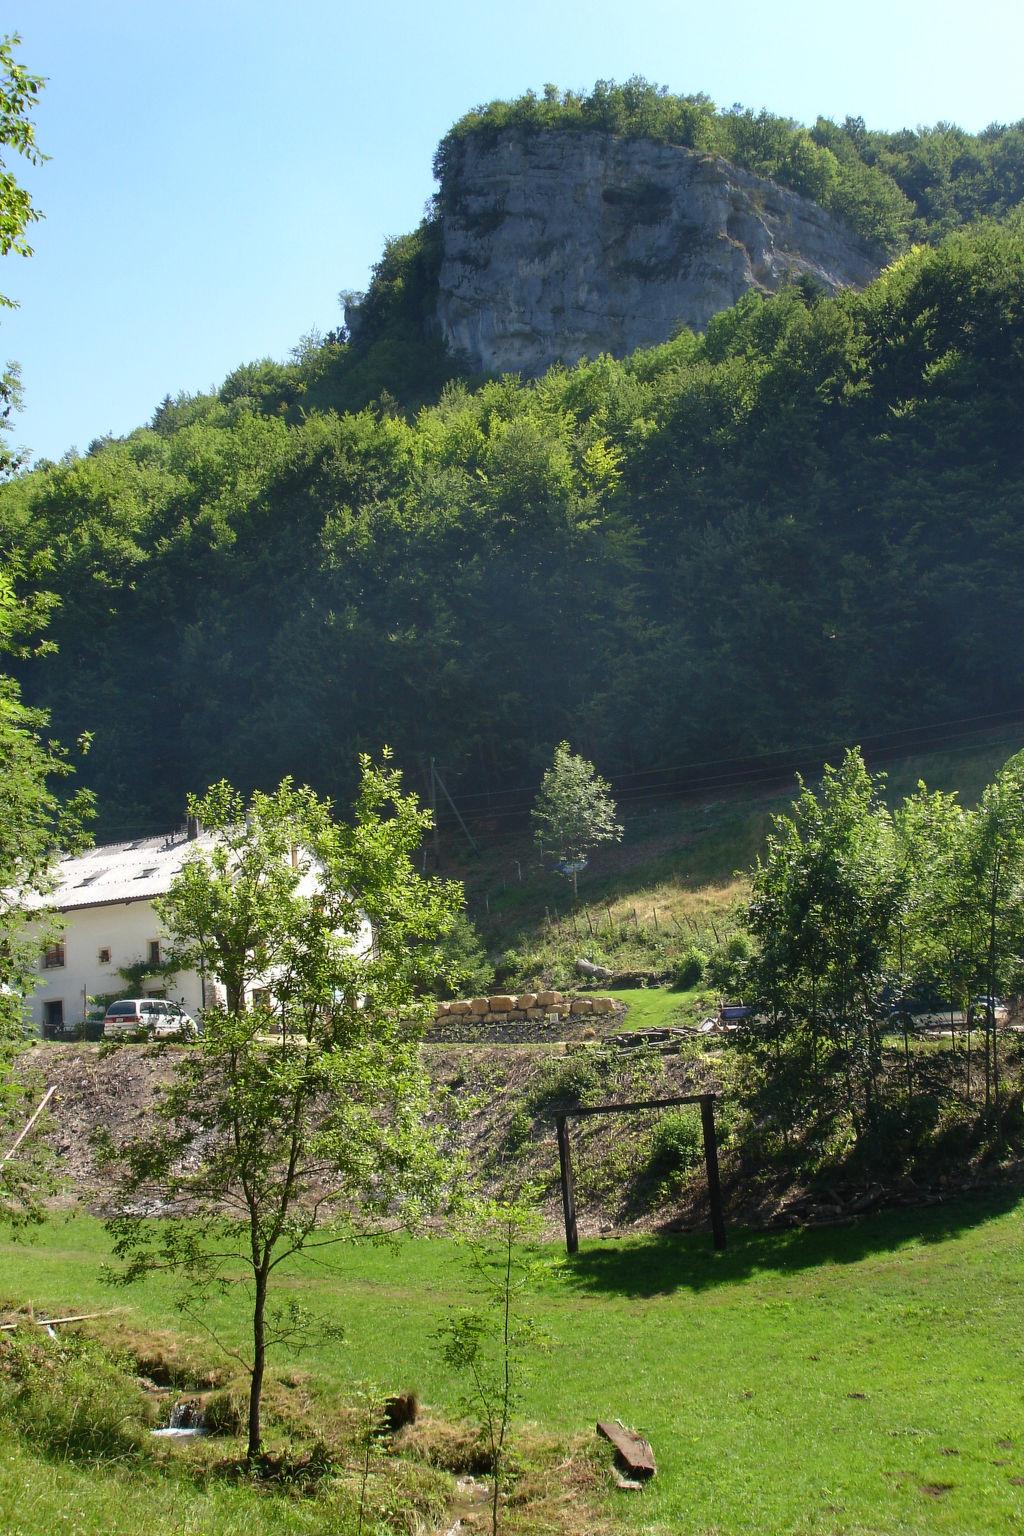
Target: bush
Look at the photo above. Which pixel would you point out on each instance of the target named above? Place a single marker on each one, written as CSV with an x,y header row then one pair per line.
x,y
516,968
465,954
569,1082
726,968
688,969
677,1144
70,1399
520,1129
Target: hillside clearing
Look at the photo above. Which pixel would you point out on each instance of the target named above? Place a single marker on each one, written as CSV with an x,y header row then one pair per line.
x,y
676,881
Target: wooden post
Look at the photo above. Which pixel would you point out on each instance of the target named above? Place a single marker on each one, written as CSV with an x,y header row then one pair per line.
x,y
707,1120
47,1096
572,1240
707,1114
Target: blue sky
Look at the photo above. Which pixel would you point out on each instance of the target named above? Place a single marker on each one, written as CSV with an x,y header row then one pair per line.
x,y
220,170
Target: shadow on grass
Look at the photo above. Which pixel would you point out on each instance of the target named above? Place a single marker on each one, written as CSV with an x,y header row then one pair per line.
x,y
656,1266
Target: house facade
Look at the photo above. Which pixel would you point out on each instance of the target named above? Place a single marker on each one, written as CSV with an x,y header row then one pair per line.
x,y
108,922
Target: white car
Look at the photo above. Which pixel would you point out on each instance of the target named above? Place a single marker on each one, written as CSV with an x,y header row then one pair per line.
x,y
151,1017
982,1006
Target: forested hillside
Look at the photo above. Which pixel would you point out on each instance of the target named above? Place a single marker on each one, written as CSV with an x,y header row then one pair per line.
x,y
803,525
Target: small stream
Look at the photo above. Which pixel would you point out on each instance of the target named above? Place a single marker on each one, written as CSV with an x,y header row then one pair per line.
x,y
186,1420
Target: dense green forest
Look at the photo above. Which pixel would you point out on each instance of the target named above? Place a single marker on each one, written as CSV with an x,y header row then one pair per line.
x,y
803,525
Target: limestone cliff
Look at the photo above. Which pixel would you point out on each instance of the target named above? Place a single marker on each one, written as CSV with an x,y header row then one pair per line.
x,y
557,244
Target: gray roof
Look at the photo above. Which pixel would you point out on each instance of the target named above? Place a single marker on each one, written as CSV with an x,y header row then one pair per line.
x,y
135,871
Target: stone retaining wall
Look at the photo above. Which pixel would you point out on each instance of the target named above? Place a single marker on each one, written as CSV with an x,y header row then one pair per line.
x,y
524,1018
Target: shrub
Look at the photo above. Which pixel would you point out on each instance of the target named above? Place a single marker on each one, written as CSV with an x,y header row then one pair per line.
x,y
568,1082
677,1144
727,966
688,969
70,1399
517,967
464,954
520,1127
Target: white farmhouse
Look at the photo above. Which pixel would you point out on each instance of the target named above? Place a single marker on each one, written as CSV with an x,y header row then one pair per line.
x,y
105,900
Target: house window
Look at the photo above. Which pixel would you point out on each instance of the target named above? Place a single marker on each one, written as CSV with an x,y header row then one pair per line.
x,y
53,955
53,1015
104,956
259,997
154,951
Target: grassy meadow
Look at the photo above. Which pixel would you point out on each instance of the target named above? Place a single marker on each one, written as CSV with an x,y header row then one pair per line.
x,y
857,1379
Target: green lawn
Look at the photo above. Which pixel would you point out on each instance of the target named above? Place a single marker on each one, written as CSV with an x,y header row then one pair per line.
x,y
40,1499
862,1379
657,1007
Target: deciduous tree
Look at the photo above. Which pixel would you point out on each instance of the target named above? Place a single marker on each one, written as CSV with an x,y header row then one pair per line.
x,y
574,812
301,1123
18,92
826,900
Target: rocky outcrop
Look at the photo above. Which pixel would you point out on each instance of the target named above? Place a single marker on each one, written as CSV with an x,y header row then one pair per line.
x,y
557,245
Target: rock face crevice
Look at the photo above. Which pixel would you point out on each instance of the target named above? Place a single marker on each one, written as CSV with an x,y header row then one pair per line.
x,y
557,245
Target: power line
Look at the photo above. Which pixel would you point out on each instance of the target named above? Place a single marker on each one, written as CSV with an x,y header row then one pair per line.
x,y
999,717
736,771
759,774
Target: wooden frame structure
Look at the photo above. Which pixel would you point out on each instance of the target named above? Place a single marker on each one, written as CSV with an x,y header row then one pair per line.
x,y
707,1120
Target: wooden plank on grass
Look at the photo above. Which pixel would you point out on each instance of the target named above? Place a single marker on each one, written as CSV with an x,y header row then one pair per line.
x,y
634,1450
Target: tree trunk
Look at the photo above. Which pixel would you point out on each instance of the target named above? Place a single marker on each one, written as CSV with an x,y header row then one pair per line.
x,y
906,1059
990,1010
992,1071
259,1361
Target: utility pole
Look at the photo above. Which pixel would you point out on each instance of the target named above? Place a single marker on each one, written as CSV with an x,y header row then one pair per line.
x,y
435,779
433,812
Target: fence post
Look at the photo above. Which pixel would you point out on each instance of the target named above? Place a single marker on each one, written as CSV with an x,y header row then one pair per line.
x,y
707,1120
572,1241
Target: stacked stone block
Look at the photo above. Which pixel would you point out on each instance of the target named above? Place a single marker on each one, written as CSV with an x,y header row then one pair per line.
x,y
510,1008
524,1016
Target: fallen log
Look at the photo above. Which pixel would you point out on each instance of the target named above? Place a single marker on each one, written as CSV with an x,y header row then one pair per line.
x,y
51,1322
632,1449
